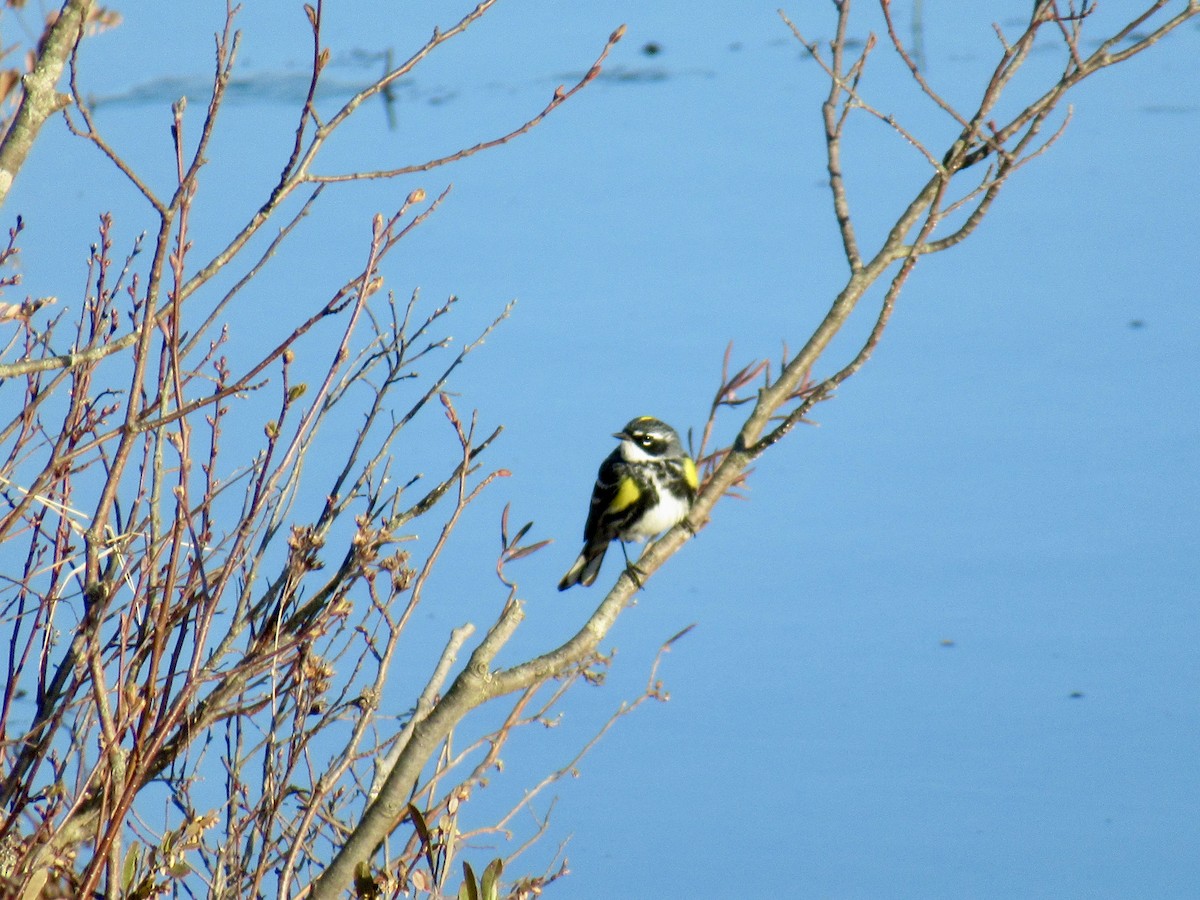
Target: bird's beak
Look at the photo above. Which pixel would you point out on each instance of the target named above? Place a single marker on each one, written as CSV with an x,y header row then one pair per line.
x,y
621,436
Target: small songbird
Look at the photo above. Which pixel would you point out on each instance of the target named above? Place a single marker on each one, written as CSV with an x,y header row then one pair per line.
x,y
645,486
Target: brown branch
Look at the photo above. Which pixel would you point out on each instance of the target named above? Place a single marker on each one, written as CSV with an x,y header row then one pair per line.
x,y
560,97
915,70
385,764
92,134
41,99
300,175
854,100
653,691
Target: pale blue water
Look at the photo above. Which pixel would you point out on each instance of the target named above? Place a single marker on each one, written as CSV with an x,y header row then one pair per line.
x,y
948,647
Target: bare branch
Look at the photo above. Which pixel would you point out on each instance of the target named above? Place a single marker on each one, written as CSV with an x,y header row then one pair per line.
x,y
560,97
41,98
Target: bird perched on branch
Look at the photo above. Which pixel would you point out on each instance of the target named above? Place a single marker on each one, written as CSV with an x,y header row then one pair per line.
x,y
645,486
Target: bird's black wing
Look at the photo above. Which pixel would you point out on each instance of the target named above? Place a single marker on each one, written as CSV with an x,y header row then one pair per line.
x,y
608,481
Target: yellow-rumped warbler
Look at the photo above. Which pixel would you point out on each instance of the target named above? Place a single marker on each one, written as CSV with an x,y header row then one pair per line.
x,y
645,486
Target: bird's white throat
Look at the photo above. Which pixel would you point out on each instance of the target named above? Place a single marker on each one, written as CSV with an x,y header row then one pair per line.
x,y
632,453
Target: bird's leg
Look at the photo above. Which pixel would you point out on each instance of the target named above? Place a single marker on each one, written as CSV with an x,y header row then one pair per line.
x,y
632,569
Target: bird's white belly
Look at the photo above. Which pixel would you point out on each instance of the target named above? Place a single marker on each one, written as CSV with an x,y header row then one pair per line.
x,y
669,512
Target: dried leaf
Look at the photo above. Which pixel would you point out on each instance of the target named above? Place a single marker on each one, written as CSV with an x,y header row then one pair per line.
x,y
522,552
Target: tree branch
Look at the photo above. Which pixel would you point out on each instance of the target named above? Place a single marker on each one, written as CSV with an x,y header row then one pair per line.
x,y
41,98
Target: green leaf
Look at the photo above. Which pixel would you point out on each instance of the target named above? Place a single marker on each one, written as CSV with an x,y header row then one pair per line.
x,y
490,887
179,869
129,868
470,886
422,828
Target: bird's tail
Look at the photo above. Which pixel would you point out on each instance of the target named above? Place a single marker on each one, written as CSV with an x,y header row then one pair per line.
x,y
585,568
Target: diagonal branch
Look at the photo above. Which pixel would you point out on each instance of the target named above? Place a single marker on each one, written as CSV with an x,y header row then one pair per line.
x,y
41,98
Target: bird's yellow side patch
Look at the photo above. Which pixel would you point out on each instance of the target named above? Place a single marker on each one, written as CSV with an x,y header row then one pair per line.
x,y
627,495
689,473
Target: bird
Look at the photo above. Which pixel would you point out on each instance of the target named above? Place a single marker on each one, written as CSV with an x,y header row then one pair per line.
x,y
645,486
